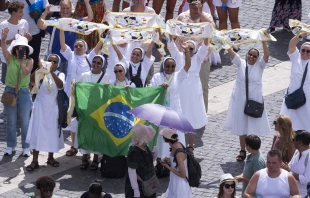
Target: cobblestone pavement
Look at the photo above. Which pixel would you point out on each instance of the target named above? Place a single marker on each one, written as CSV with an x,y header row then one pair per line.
x,y
216,149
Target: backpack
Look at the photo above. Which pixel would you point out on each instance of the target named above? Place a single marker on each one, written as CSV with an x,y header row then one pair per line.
x,y
193,167
63,105
113,167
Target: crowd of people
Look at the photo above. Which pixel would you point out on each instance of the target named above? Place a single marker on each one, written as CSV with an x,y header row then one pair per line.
x,y
185,75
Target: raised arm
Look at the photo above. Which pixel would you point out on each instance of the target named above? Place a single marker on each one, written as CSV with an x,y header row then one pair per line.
x,y
294,41
148,53
231,52
119,54
98,47
41,24
62,40
90,14
266,51
187,65
7,55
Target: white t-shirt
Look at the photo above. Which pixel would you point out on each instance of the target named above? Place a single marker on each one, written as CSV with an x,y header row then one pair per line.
x,y
20,28
33,28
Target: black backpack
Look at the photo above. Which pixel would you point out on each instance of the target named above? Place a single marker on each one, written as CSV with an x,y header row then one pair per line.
x,y
63,105
113,167
193,167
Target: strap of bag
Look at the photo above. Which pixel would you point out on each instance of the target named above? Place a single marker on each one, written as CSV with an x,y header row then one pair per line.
x,y
304,76
28,2
88,62
18,80
100,77
246,81
51,40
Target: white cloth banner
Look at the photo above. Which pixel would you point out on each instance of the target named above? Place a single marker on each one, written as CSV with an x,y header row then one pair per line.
x,y
299,27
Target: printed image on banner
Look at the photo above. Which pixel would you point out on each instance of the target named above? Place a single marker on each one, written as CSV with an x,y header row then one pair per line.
x,y
104,123
298,27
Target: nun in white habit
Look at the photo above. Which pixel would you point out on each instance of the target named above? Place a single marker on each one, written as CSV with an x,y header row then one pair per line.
x,y
236,120
300,117
44,133
120,71
171,80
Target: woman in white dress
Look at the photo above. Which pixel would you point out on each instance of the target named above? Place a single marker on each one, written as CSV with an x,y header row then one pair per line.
x,y
43,132
300,116
120,76
190,89
236,120
178,184
78,63
95,76
170,80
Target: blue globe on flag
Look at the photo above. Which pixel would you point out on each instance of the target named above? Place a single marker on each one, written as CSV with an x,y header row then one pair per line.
x,y
117,120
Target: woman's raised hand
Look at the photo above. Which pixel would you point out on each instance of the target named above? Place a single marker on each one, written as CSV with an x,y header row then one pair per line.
x,y
47,9
4,34
185,46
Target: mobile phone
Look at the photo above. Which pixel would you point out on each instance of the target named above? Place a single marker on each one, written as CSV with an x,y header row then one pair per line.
x,y
55,9
21,52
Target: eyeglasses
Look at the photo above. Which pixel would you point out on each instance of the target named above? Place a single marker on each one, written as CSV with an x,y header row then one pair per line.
x,y
254,56
118,71
227,186
304,50
168,66
52,61
95,62
274,122
78,46
191,49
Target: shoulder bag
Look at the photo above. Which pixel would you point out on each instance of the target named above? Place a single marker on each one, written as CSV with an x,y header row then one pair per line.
x,y
298,97
150,186
252,108
10,98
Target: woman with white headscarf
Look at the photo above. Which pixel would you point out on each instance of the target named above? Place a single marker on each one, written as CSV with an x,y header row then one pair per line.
x,y
190,89
120,71
43,132
140,161
236,120
78,63
300,61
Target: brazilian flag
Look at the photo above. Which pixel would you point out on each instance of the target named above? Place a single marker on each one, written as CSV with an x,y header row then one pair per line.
x,y
104,123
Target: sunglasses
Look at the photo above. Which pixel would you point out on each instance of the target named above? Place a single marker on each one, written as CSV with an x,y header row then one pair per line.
x,y
168,66
52,61
191,49
95,62
275,122
227,186
254,56
304,50
78,46
118,71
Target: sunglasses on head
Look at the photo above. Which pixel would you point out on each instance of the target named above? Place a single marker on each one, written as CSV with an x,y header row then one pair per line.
x,y
304,50
78,46
52,61
250,54
118,71
95,62
227,186
172,66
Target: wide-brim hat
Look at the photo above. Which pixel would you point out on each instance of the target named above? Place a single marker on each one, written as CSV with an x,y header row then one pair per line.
x,y
168,133
226,178
20,40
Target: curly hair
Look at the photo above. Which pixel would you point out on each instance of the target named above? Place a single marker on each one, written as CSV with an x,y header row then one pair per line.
x,y
15,6
45,182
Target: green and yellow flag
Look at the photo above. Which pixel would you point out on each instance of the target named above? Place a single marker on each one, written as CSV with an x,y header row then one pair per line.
x,y
104,123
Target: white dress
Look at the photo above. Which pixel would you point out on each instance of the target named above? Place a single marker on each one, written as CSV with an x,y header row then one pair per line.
x,y
300,117
76,66
236,121
178,187
190,90
43,131
173,102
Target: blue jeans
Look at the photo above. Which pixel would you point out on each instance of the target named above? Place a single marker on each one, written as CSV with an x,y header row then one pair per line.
x,y
23,107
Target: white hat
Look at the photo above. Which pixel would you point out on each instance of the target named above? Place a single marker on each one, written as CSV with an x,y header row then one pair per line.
x,y
226,178
20,40
168,133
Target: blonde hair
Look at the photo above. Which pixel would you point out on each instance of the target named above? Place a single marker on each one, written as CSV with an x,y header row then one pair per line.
x,y
66,1
285,123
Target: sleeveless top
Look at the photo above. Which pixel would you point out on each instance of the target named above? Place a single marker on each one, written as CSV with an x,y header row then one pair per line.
x,y
13,67
266,185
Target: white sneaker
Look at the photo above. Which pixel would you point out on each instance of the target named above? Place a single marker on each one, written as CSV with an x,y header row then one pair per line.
x,y
9,150
26,152
308,37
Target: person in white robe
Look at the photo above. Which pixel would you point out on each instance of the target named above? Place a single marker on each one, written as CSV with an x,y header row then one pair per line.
x,y
95,76
190,89
78,63
171,80
236,120
120,76
300,117
44,133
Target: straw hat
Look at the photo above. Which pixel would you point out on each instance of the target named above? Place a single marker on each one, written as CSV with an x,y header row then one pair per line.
x,y
226,178
20,40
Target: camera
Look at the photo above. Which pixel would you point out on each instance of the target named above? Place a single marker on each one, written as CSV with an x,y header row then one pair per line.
x,y
21,52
